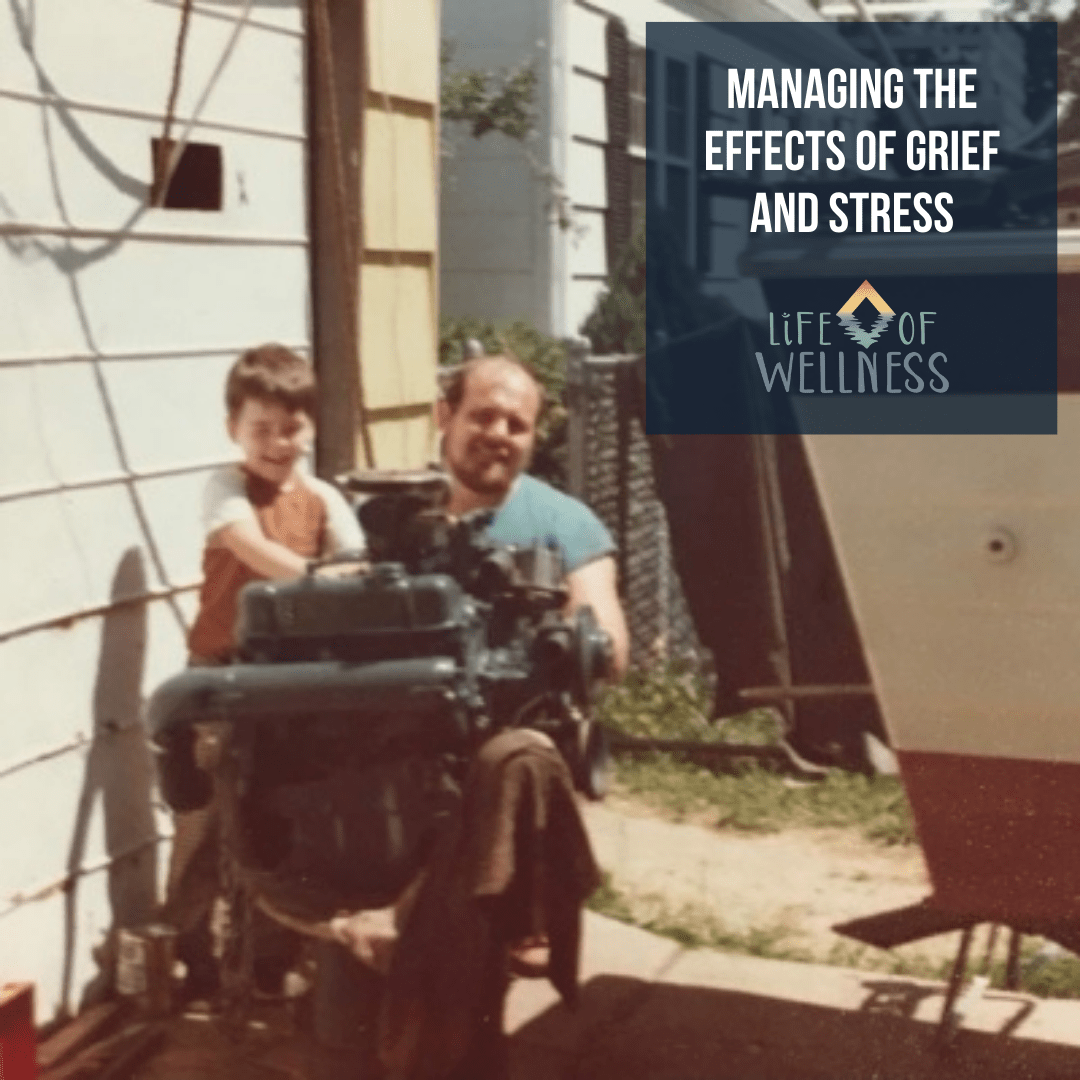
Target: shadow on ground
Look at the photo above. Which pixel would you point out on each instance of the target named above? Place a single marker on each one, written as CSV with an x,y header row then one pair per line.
x,y
629,1029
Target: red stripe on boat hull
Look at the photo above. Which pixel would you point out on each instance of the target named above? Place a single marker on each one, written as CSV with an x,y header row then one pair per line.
x,y
1001,836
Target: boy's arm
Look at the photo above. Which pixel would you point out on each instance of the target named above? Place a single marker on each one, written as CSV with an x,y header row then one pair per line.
x,y
343,532
266,557
230,522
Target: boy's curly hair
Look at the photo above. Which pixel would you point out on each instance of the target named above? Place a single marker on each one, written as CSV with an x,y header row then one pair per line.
x,y
271,373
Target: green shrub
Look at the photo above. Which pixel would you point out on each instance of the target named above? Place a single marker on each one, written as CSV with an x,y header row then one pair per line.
x,y
617,323
502,101
659,703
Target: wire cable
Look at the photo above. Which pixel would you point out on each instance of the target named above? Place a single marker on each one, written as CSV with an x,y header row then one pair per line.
x,y
162,174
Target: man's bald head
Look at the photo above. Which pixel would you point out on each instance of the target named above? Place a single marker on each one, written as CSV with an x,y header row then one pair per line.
x,y
485,368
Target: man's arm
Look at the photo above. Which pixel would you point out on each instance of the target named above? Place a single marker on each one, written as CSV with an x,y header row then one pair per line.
x,y
595,584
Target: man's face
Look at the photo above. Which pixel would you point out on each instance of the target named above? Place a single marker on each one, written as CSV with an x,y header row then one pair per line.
x,y
488,439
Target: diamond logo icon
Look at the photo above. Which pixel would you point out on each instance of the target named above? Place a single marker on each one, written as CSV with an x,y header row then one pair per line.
x,y
853,328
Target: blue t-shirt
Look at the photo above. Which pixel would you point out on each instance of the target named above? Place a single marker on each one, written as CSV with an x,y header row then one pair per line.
x,y
535,511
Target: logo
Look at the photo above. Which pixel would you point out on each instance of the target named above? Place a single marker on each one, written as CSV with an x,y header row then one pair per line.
x,y
852,326
816,362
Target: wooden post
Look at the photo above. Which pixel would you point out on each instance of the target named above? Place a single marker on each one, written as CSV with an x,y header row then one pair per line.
x,y
336,106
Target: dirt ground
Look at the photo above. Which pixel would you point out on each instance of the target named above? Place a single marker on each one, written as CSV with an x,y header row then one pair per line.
x,y
777,894
781,891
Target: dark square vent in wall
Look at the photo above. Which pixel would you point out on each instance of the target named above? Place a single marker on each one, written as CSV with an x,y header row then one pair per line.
x,y
196,181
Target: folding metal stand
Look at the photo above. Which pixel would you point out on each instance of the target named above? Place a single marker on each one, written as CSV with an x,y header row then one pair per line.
x,y
926,920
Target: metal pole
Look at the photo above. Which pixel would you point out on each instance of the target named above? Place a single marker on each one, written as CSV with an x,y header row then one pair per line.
x,y
577,407
663,582
777,563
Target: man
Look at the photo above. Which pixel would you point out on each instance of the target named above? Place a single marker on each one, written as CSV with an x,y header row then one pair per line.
x,y
509,882
488,417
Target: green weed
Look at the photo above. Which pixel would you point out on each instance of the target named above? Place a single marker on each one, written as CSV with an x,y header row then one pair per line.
x,y
660,703
666,702
755,800
694,926
1056,978
607,900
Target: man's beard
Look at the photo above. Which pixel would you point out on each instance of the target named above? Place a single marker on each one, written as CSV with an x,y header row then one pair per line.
x,y
476,479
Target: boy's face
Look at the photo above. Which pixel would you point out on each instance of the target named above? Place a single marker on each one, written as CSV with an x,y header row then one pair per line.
x,y
272,437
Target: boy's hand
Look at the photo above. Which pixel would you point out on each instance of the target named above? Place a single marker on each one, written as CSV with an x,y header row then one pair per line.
x,y
342,569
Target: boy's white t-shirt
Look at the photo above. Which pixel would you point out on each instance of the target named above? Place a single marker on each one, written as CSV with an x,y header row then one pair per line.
x,y
225,502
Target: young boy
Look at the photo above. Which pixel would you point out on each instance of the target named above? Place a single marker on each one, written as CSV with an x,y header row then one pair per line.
x,y
263,518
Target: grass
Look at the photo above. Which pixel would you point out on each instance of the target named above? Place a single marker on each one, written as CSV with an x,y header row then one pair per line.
x,y
695,926
692,926
1058,979
660,703
755,800
666,703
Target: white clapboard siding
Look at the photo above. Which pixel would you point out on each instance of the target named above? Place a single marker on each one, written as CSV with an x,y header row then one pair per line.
x,y
588,116
61,551
49,716
53,935
52,427
281,18
40,843
262,178
118,324
587,41
130,294
182,387
637,14
119,55
172,506
586,178
588,252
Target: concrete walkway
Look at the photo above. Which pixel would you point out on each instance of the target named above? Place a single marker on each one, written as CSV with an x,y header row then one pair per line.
x,y
651,1010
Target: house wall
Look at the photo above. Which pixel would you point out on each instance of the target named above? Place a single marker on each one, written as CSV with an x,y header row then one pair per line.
x,y
584,265
515,245
494,223
119,323
716,226
522,229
